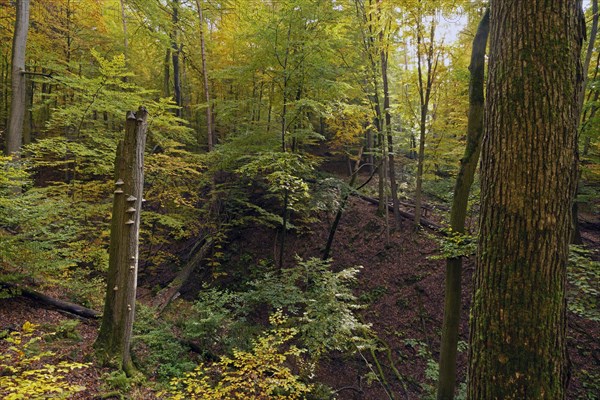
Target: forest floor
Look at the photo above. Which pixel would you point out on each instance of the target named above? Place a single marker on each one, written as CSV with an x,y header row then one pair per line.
x,y
403,290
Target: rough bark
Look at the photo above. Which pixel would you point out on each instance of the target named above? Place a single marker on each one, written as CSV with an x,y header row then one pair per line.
x,y
14,134
119,309
518,328
458,213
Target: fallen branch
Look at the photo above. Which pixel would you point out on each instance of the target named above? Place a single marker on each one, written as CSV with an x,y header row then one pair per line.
x,y
171,291
51,301
425,222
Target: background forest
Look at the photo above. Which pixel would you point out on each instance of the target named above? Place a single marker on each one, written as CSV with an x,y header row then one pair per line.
x,y
300,166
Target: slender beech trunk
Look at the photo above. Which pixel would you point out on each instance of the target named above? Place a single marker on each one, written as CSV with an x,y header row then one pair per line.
x,y
518,326
125,37
14,135
589,113
425,88
119,308
370,48
458,213
209,124
382,207
370,150
340,211
28,123
167,73
4,74
388,132
286,195
576,234
175,57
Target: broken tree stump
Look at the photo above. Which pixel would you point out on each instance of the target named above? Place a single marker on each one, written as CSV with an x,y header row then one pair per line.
x,y
113,343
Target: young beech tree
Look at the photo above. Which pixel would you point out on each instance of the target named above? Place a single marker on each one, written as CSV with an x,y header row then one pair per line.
x,y
518,327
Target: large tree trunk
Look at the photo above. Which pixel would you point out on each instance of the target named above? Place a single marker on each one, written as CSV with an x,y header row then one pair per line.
x,y
14,135
458,213
518,329
119,308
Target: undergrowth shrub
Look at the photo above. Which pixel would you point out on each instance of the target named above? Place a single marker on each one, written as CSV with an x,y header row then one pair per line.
x,y
25,375
584,275
318,300
218,323
262,373
155,349
428,385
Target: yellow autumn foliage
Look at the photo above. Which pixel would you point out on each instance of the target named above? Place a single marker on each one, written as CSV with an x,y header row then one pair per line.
x,y
261,374
23,373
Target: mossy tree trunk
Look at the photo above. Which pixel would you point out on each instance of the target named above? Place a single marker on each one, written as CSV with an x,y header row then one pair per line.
x,y
518,326
458,213
119,308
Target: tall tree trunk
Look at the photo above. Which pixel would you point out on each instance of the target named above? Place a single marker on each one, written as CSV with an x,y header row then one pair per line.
x,y
518,329
125,37
4,74
14,135
390,140
425,88
119,309
167,73
209,128
338,215
285,88
576,234
458,213
175,57
28,123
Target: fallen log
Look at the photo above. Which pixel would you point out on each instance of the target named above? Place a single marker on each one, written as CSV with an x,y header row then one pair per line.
x,y
424,222
171,291
53,302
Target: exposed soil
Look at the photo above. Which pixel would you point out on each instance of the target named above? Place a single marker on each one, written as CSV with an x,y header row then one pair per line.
x,y
404,290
